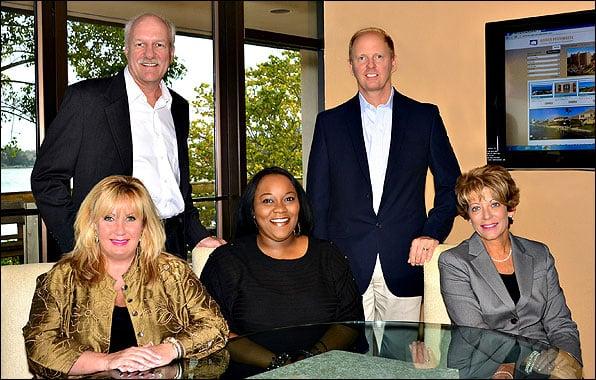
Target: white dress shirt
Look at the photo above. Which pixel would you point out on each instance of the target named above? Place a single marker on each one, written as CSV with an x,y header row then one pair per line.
x,y
376,128
154,147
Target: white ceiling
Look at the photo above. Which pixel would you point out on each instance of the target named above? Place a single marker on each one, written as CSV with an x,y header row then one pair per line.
x,y
195,16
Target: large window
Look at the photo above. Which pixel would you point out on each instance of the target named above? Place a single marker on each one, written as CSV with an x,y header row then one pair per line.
x,y
278,54
283,84
95,44
273,104
19,118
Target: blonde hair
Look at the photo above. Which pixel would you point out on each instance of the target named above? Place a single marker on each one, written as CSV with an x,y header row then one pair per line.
x,y
386,37
86,258
495,178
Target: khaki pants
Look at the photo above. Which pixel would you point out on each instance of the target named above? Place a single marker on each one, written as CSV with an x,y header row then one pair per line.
x,y
382,305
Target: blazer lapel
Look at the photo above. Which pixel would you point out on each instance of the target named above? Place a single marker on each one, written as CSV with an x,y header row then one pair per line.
x,y
181,122
486,270
354,123
524,272
118,116
399,121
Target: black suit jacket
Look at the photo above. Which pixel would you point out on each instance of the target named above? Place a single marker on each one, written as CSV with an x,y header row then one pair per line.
x,y
90,139
339,187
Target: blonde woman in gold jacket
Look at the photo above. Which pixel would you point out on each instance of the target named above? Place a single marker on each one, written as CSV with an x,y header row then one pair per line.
x,y
117,301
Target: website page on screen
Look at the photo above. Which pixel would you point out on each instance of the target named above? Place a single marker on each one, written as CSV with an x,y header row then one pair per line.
x,y
549,85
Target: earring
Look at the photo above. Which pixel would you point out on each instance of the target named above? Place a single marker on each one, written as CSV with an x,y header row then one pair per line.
x,y
297,233
96,237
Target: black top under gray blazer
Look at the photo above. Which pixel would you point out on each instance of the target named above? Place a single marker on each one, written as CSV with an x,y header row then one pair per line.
x,y
91,139
340,190
475,295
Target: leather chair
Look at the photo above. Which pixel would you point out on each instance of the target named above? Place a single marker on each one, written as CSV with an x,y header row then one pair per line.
x,y
199,259
18,286
434,308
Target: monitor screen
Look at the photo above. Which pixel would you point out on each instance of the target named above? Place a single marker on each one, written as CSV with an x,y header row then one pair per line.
x,y
540,92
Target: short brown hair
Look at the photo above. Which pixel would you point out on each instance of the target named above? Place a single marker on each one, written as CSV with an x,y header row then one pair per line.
x,y
495,178
375,30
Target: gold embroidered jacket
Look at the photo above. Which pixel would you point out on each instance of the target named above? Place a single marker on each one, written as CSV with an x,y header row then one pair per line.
x,y
67,319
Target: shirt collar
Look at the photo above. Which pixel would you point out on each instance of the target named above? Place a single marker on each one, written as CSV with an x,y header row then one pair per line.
x,y
364,104
134,92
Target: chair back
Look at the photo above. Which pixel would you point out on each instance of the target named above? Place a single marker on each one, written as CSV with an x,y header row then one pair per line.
x,y
199,259
434,308
18,286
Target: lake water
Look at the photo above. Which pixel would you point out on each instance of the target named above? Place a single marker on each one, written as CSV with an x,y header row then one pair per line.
x,y
16,179
13,180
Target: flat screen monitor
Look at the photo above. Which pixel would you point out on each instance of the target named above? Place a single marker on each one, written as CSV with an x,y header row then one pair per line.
x,y
540,92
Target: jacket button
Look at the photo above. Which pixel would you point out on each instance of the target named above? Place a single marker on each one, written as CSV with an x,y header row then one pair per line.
x,y
129,300
135,313
514,320
378,225
140,335
124,287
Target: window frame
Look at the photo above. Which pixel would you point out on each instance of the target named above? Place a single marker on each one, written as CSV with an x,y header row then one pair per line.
x,y
229,37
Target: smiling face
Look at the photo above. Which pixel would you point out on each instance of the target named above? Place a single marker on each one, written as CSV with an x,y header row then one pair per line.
x,y
489,217
149,51
372,63
276,208
119,232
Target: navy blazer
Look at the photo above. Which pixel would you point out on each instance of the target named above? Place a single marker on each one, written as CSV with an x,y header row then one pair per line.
x,y
476,296
91,139
339,187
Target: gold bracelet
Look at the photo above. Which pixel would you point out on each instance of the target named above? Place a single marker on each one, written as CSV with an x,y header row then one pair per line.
x,y
179,371
509,375
177,345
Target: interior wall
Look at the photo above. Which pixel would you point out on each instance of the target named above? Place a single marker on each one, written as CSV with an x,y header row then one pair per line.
x,y
440,59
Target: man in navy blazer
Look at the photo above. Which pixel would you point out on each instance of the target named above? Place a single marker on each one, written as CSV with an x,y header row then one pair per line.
x,y
366,181
103,127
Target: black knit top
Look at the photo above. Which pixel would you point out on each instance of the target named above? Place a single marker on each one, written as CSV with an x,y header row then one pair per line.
x,y
257,292
510,282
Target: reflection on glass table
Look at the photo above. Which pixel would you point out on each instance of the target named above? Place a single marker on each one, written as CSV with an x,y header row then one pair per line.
x,y
211,367
410,350
378,350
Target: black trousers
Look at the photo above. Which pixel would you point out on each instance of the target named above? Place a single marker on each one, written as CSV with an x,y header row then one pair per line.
x,y
175,243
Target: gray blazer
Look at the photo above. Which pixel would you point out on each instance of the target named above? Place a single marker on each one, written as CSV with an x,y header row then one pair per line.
x,y
477,353
475,295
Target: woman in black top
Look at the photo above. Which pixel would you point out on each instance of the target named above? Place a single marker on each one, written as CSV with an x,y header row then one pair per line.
x,y
274,275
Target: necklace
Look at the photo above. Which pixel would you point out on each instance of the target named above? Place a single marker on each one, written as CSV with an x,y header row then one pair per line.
x,y
502,260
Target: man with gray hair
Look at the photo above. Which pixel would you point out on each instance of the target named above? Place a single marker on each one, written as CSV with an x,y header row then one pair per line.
x,y
129,124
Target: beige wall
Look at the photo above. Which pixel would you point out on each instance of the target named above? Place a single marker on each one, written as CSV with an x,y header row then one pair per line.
x,y
440,53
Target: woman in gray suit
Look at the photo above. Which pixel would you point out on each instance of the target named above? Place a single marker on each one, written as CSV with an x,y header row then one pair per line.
x,y
498,281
